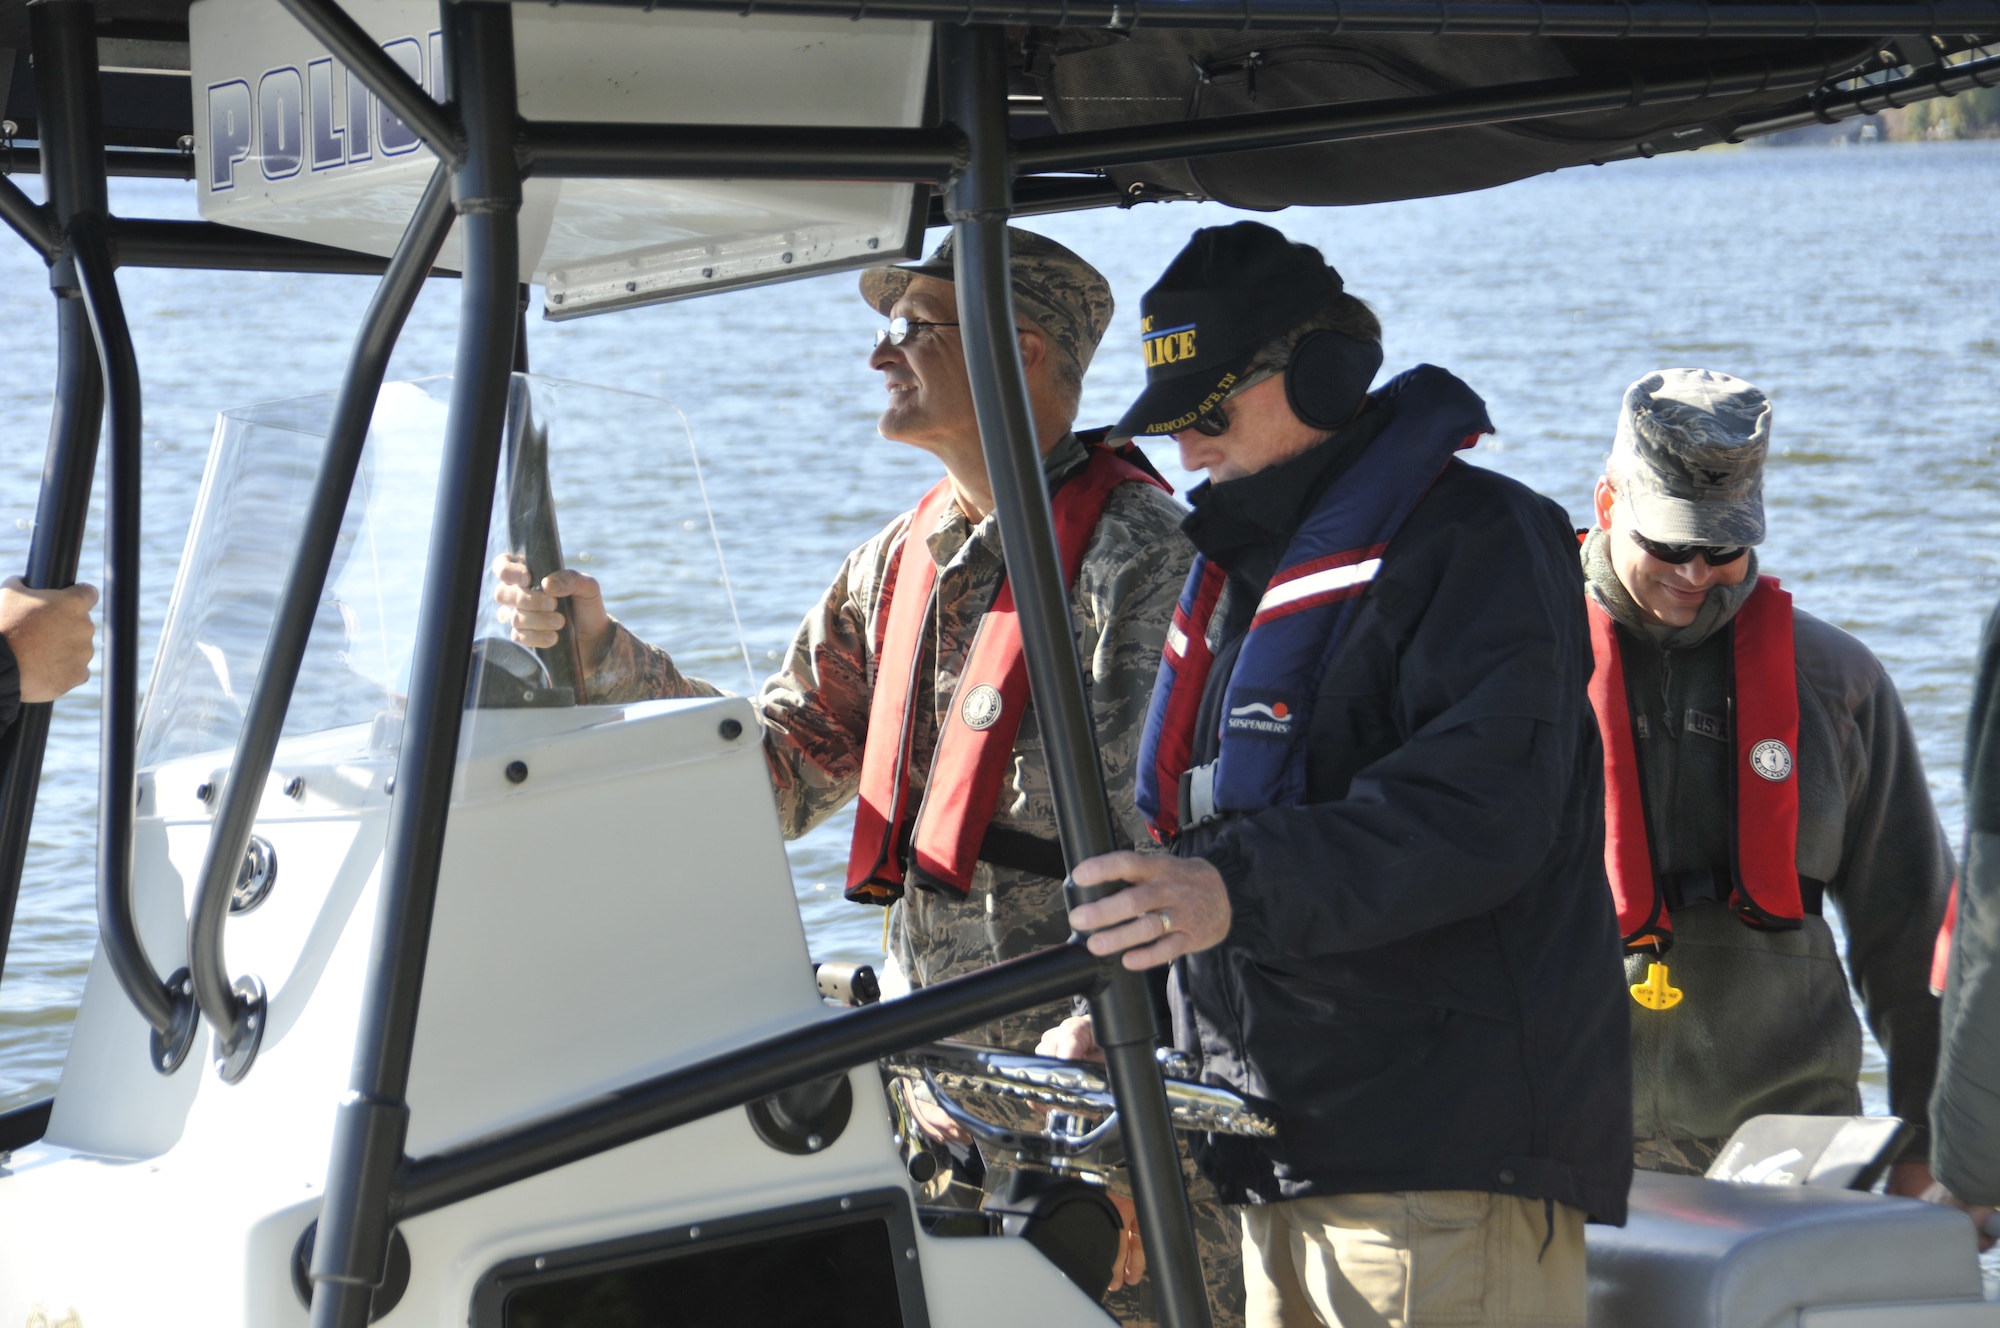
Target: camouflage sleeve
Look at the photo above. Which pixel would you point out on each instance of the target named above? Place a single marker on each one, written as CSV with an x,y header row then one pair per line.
x,y
815,707
631,670
1131,577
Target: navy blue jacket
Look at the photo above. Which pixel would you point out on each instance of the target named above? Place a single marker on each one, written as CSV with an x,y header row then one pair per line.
x,y
1423,977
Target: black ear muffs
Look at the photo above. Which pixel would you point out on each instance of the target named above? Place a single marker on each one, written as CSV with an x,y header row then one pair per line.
x,y
1329,374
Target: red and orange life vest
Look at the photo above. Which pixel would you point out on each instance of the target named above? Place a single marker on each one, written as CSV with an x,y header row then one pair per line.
x,y
1764,731
977,740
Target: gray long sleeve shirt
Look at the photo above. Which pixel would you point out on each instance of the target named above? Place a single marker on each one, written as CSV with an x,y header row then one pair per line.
x,y
1965,1111
1766,1023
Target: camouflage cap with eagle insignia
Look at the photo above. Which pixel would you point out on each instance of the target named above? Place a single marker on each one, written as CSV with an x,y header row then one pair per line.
x,y
1688,462
1053,289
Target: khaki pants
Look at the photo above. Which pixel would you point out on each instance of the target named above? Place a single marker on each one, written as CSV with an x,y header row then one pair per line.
x,y
1416,1259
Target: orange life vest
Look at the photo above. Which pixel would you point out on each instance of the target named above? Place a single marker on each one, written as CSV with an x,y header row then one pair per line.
x,y
1764,732
976,742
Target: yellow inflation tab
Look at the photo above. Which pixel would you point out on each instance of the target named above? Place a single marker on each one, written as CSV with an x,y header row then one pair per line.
x,y
1655,993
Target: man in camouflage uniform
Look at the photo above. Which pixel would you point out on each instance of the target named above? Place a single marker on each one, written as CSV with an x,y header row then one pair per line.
x,y
815,708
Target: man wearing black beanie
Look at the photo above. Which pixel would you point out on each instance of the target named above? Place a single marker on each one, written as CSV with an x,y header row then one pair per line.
x,y
1371,752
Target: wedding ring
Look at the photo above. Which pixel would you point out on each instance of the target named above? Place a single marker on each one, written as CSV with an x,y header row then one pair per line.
x,y
1166,920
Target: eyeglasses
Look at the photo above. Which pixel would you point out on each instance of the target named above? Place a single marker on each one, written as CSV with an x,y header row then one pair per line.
x,y
901,330
1214,424
1718,555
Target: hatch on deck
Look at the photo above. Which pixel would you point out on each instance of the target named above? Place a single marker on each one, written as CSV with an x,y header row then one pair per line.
x,y
288,142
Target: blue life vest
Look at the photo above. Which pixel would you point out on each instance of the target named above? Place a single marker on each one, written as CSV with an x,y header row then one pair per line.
x,y
1300,621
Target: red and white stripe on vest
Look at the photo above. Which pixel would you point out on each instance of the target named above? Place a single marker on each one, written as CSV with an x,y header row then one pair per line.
x,y
1764,781
976,743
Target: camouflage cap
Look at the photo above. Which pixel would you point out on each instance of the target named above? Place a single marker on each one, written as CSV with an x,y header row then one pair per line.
x,y
1053,288
1689,458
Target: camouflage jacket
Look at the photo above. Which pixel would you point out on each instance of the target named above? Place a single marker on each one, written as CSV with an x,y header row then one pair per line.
x,y
814,709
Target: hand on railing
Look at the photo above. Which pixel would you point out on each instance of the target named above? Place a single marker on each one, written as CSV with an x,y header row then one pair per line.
x,y
51,635
1169,907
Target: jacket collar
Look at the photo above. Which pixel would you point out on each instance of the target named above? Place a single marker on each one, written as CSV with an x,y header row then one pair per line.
x,y
1608,593
1245,525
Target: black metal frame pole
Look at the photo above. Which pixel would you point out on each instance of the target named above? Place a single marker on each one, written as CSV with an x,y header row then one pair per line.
x,y
60,31
31,221
336,30
142,164
136,162
1098,149
1942,81
212,247
974,84
351,1252
744,1074
72,127
1694,19
237,1011
167,1006
557,149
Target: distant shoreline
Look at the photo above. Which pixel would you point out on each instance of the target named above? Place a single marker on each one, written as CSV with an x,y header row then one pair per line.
x,y
1968,116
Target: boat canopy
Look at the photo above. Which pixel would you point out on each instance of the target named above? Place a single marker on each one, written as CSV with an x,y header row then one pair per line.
x,y
1255,103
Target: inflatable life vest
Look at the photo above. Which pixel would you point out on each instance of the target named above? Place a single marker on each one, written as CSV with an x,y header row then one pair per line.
x,y
942,837
1764,784
1300,621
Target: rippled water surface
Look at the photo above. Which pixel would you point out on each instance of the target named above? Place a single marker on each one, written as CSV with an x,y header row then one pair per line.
x,y
1853,286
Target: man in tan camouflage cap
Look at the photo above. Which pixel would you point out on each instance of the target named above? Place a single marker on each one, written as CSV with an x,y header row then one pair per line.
x,y
1758,764
1054,291
823,750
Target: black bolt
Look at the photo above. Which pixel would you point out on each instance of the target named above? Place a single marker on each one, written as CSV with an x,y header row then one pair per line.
x,y
517,772
295,787
730,729
205,792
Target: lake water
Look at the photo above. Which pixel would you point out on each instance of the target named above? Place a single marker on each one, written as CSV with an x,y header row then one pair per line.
x,y
1850,285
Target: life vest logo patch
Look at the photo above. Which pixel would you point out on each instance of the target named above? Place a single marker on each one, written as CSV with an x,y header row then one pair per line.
x,y
982,707
1272,718
1772,759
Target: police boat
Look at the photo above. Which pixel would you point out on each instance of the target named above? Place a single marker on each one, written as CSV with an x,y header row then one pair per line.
x,y
334,1063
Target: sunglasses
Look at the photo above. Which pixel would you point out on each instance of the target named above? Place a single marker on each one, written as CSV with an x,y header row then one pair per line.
x,y
1718,555
901,330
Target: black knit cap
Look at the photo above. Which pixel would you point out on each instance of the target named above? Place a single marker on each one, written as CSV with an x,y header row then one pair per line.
x,y
1232,289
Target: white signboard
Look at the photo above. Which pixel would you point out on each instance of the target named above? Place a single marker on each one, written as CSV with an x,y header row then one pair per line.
x,y
288,141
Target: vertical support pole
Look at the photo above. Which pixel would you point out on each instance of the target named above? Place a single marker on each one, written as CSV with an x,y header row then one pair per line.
x,y
978,203
73,182
351,1250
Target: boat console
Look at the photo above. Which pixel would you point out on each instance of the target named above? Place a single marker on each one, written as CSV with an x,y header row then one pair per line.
x,y
1699,1253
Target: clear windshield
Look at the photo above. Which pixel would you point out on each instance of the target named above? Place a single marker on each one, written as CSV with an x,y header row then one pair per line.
x,y
630,454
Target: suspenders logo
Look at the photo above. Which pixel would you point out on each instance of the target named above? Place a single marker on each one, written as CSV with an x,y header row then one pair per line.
x,y
1273,719
1772,759
982,707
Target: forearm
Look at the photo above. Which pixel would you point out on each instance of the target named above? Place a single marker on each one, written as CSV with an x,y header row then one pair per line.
x,y
1908,1034
628,670
1894,878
